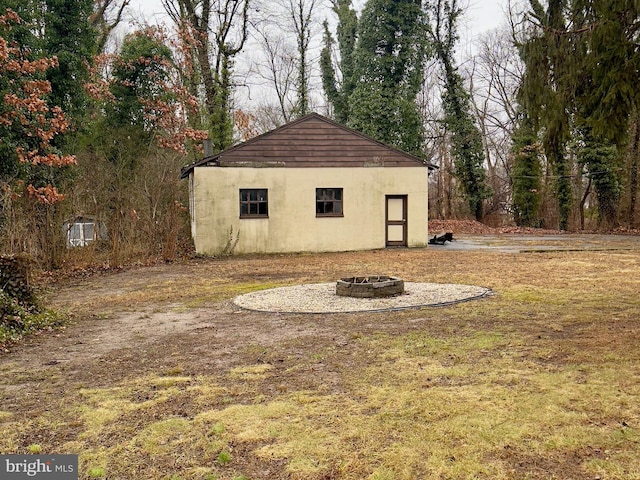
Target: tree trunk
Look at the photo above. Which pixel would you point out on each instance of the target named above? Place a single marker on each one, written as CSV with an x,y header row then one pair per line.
x,y
583,201
633,153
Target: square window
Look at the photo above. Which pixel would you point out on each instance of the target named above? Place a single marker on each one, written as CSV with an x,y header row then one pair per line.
x,y
253,203
329,202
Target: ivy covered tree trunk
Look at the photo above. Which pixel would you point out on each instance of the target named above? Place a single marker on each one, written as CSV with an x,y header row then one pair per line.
x,y
555,151
302,16
466,145
338,86
546,88
390,55
69,37
633,159
466,141
526,175
601,161
220,111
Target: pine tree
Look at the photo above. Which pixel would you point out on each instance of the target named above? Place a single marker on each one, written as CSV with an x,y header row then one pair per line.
x,y
547,91
579,84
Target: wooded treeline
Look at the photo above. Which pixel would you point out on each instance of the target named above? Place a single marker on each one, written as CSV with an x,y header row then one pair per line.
x,y
539,126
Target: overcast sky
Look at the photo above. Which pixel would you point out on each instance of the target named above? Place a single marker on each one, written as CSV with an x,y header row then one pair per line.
x,y
479,17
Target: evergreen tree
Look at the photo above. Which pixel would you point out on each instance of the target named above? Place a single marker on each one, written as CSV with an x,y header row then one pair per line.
x,y
138,73
601,160
613,63
389,60
607,96
547,90
70,38
526,175
580,83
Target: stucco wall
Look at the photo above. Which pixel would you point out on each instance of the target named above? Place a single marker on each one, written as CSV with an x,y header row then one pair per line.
x,y
292,225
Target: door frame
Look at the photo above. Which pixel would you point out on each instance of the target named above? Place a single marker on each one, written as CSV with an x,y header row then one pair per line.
x,y
388,222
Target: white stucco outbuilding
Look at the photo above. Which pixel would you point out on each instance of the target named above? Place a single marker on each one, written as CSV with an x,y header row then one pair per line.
x,y
311,185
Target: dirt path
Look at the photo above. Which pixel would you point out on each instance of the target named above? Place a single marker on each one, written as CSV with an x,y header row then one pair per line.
x,y
144,312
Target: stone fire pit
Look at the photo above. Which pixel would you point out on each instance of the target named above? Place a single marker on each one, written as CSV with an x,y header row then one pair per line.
x,y
377,286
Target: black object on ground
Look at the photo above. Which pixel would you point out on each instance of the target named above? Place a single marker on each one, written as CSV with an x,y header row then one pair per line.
x,y
441,239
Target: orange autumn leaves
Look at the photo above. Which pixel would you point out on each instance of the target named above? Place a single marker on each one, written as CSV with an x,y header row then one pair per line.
x,y
168,105
28,111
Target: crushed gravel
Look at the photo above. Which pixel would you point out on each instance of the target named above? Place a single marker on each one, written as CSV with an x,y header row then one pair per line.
x,y
321,298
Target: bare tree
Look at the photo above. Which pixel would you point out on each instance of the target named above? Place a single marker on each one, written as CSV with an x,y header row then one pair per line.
x,y
301,12
276,65
107,15
494,74
219,30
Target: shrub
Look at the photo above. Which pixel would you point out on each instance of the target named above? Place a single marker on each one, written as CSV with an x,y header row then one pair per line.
x,y
20,313
18,320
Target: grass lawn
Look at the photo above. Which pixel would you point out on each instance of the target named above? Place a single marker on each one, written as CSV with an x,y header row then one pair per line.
x,y
159,376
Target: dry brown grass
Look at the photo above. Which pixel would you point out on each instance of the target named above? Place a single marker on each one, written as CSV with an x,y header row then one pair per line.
x,y
540,381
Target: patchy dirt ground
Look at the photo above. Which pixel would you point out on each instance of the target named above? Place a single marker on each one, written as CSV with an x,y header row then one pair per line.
x,y
178,319
135,309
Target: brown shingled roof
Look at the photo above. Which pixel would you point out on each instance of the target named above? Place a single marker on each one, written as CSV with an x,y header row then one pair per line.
x,y
310,141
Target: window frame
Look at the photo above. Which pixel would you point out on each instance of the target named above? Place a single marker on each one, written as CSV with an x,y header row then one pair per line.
x,y
248,202
325,200
81,234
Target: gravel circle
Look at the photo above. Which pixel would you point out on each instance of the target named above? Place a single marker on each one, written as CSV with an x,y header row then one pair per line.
x,y
322,298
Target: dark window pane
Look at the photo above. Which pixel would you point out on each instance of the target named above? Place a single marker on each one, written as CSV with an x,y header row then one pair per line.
x,y
253,202
328,201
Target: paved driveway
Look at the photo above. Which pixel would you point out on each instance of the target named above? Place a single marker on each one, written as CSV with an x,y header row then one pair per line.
x,y
541,243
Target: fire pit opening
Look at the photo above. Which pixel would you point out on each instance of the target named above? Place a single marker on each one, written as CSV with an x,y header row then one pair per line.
x,y
375,286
